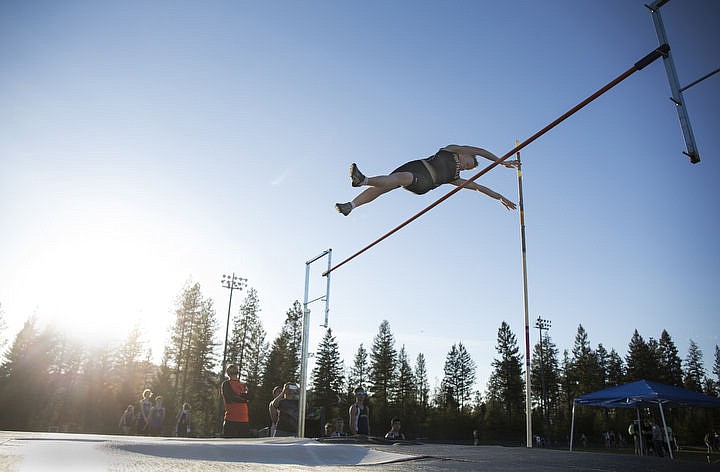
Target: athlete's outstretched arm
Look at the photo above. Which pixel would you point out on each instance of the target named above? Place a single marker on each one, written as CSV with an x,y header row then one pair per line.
x,y
490,193
476,151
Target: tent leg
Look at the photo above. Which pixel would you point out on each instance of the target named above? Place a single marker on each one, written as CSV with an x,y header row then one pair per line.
x,y
572,427
667,436
640,435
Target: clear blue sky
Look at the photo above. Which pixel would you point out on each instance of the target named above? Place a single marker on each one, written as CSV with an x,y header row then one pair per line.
x,y
145,144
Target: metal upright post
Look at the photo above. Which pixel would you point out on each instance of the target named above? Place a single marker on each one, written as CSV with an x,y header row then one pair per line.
x,y
677,97
528,406
327,289
306,338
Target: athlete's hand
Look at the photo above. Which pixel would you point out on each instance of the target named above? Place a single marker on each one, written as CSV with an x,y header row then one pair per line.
x,y
507,203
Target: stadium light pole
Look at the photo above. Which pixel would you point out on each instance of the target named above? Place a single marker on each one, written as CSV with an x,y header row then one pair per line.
x,y
543,324
231,282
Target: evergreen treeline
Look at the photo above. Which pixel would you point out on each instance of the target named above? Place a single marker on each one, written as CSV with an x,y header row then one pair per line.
x,y
48,382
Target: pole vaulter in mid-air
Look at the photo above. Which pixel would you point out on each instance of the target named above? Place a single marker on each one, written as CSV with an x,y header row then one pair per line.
x,y
659,52
421,176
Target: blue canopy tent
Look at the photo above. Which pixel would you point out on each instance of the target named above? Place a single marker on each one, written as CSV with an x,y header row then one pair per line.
x,y
644,394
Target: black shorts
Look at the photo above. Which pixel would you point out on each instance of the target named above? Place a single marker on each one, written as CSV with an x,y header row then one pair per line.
x,y
422,180
236,429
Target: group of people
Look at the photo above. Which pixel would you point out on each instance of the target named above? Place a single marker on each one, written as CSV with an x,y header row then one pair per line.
x,y
650,438
149,420
284,410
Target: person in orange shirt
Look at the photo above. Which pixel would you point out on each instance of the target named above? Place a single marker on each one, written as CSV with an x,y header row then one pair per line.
x,y
235,397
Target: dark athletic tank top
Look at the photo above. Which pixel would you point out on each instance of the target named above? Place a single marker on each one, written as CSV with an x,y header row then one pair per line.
x,y
363,421
289,412
446,167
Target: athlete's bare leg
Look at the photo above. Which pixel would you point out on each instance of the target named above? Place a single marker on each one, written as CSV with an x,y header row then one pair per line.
x,y
382,184
378,185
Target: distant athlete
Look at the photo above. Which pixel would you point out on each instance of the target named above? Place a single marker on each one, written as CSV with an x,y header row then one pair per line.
x,y
421,176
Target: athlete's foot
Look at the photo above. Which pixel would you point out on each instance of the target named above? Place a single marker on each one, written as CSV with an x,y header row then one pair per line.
x,y
356,177
344,208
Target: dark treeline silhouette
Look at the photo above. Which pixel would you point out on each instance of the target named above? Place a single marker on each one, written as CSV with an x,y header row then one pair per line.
x,y
50,383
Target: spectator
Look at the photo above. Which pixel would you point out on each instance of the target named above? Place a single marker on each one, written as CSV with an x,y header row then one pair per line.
x,y
360,414
647,441
157,417
143,417
182,425
273,411
287,405
339,426
657,439
709,442
127,420
634,432
235,399
328,431
394,433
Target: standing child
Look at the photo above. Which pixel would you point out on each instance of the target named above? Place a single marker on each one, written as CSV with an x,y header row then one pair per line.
x,y
143,417
182,425
127,420
157,417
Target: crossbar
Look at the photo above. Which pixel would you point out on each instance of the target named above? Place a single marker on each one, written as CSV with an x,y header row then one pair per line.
x,y
661,51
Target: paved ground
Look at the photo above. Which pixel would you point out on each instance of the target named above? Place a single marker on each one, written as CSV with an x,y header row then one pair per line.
x,y
21,452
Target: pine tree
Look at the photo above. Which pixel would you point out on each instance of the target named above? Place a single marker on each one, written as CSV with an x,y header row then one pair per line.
x,y
669,362
603,360
459,376
506,386
327,376
716,365
406,393
546,373
24,395
616,369
587,372
129,366
383,365
567,382
641,361
449,399
247,347
283,360
694,369
358,376
190,356
423,386
3,327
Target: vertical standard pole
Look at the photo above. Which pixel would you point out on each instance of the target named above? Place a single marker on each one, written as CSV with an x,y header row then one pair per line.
x,y
306,339
304,355
528,406
572,427
327,289
677,97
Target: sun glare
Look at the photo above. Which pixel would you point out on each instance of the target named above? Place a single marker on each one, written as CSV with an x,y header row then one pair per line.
x,y
97,281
